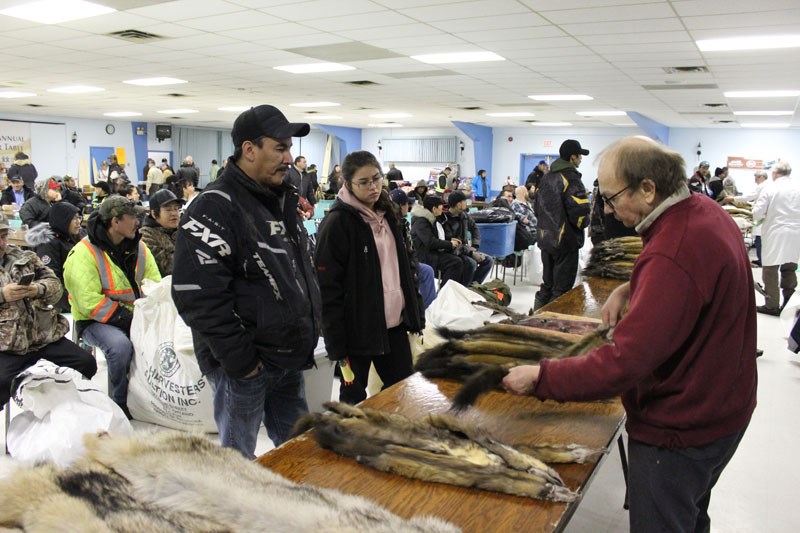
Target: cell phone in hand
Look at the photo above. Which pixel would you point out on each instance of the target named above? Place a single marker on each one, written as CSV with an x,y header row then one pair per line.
x,y
26,279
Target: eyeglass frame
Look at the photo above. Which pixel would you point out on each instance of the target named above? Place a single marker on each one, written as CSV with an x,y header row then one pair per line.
x,y
376,180
610,200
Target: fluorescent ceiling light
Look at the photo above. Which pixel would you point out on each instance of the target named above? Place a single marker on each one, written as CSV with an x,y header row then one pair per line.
x,y
76,89
56,11
234,108
458,57
551,124
385,125
391,115
601,113
15,94
315,104
322,117
152,82
764,113
559,97
628,124
309,68
178,111
511,114
761,94
754,42
765,125
122,114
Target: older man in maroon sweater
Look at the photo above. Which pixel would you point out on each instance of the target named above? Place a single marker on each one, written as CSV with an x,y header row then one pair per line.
x,y
684,354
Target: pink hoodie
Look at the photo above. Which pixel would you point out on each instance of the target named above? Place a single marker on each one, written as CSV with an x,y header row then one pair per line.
x,y
393,300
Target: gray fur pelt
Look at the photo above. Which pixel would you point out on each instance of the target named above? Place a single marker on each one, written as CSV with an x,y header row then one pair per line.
x,y
170,482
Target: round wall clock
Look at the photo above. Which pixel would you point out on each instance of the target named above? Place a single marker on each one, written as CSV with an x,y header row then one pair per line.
x,y
110,129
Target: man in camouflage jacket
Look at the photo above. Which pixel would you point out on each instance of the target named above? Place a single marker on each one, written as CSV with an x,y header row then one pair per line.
x,y
30,328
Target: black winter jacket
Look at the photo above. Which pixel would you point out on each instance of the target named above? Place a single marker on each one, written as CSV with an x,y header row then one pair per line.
x,y
458,225
74,197
427,243
35,211
562,209
303,183
349,273
243,279
188,172
8,195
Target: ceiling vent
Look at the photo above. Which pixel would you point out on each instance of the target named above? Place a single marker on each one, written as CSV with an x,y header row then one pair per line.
x,y
177,95
686,70
724,122
680,87
471,108
713,105
362,83
135,36
365,109
34,105
311,112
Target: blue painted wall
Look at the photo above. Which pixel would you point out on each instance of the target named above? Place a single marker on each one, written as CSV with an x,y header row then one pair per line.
x,y
349,138
654,130
483,142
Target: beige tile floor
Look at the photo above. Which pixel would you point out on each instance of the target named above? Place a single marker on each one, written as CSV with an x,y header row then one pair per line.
x,y
755,493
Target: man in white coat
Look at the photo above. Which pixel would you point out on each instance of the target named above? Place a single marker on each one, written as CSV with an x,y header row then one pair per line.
x,y
779,206
751,197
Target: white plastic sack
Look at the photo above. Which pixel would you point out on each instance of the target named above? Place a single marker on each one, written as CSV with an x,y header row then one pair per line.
x,y
532,259
59,406
166,386
453,309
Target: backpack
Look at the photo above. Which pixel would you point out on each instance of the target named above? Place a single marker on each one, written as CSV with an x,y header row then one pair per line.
x,y
495,291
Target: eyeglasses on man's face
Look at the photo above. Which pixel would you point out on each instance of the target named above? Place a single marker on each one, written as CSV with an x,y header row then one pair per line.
x,y
373,181
609,201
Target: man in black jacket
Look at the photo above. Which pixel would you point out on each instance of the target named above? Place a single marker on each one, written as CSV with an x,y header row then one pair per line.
x,y
562,210
460,225
427,234
17,193
243,280
299,178
71,194
188,172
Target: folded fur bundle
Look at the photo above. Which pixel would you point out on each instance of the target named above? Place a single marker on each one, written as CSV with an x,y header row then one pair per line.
x,y
175,482
443,449
614,258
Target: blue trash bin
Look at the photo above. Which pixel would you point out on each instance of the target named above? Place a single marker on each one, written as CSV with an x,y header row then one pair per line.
x,y
497,240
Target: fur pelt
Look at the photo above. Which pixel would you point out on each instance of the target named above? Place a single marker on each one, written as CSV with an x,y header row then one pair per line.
x,y
177,482
440,448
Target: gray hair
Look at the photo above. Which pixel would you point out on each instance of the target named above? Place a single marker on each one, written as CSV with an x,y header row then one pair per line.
x,y
782,168
761,173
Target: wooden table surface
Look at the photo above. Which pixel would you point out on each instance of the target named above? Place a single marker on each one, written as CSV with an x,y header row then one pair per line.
x,y
513,419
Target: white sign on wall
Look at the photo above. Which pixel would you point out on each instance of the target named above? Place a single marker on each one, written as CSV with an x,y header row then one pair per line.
x,y
14,137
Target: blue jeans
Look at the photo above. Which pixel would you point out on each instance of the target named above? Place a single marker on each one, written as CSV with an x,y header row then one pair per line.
x,y
427,287
118,350
480,270
275,395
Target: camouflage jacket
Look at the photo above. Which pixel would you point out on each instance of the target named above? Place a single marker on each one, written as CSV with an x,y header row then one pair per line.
x,y
161,243
29,324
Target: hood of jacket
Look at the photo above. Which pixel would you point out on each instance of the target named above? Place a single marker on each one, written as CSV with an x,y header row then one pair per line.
x,y
61,216
21,162
421,212
375,219
40,188
269,196
561,164
39,234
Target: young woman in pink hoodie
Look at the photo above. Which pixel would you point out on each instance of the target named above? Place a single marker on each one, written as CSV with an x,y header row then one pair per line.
x,y
367,276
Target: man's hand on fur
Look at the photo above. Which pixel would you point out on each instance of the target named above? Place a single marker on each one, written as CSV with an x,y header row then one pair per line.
x,y
521,379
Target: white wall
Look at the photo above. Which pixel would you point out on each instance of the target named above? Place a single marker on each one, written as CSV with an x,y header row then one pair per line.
x,y
416,171
718,144
506,155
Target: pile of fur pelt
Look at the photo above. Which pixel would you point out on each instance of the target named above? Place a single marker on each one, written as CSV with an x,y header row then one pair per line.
x,y
482,357
614,258
171,482
444,449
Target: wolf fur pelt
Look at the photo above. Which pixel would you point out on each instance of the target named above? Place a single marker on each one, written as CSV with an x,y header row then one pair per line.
x,y
441,448
482,357
175,482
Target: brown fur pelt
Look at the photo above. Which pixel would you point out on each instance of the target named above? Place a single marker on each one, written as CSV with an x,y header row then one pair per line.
x,y
614,258
174,482
438,448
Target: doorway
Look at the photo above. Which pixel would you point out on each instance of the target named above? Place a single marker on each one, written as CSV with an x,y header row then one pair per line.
x,y
527,162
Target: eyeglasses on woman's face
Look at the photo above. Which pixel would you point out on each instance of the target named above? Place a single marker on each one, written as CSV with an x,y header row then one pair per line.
x,y
365,183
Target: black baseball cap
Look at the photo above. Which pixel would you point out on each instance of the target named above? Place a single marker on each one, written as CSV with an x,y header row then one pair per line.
x,y
399,196
164,197
265,120
571,147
